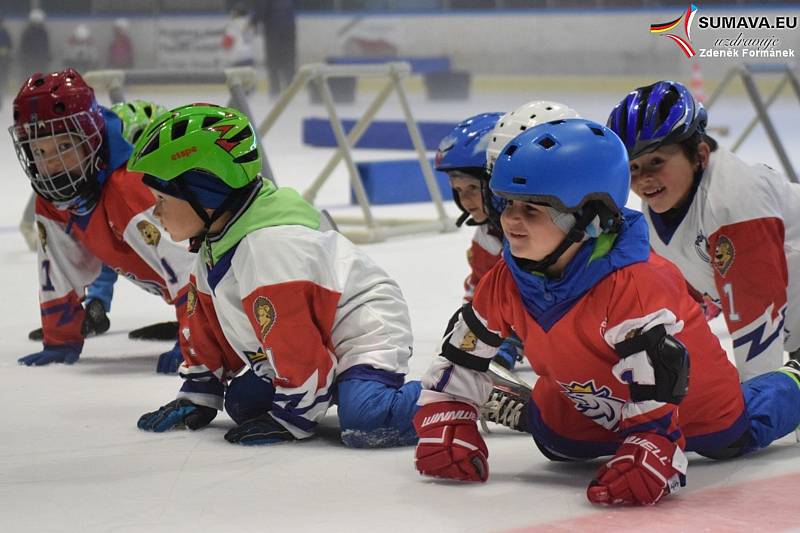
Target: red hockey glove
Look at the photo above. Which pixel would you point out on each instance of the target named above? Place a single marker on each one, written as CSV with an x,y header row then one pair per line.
x,y
646,467
449,443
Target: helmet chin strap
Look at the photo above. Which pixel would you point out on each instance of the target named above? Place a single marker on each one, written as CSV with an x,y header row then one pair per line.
x,y
228,204
574,235
609,222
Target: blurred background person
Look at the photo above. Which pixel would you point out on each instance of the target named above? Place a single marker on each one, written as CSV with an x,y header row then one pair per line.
x,y
277,21
5,58
120,51
237,40
34,45
80,52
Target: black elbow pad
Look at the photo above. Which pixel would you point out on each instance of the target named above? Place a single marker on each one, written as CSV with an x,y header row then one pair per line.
x,y
670,361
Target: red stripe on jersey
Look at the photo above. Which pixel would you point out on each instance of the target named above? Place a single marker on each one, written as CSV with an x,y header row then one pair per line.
x,y
123,197
293,321
62,319
750,269
208,344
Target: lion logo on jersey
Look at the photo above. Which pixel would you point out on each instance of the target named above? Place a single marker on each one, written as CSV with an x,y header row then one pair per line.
x,y
596,403
264,313
42,235
191,299
724,253
469,342
149,232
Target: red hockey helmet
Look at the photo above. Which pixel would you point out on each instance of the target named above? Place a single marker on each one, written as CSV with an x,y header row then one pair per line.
x,y
55,104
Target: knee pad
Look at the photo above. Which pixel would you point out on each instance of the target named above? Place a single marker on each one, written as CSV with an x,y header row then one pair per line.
x,y
248,396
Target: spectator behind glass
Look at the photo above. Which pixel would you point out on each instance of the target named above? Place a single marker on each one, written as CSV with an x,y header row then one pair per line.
x,y
34,45
237,41
120,51
280,41
80,52
5,58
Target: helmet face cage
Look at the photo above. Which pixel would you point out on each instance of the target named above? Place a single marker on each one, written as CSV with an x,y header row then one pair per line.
x,y
76,141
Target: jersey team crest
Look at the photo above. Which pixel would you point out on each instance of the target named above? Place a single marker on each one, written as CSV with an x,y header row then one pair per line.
x,y
596,403
42,235
724,253
469,342
150,233
191,299
264,313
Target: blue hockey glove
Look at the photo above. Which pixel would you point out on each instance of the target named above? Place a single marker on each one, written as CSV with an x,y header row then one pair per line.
x,y
168,362
177,414
258,431
63,353
509,352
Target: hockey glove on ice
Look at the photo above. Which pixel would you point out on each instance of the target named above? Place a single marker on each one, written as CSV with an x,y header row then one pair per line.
x,y
645,468
258,431
449,443
95,321
168,362
63,353
177,414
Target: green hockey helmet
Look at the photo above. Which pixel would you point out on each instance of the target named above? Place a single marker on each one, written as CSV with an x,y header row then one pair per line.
x,y
199,137
135,116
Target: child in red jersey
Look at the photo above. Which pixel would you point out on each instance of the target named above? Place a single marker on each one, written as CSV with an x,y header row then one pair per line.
x,y
89,211
608,327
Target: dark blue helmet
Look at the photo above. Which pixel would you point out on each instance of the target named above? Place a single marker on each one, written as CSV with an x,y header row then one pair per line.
x,y
566,164
657,115
465,147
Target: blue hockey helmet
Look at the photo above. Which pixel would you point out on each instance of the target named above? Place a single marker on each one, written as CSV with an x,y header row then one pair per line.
x,y
657,115
569,165
465,147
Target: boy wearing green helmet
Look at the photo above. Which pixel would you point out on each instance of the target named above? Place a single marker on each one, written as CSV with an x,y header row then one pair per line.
x,y
309,315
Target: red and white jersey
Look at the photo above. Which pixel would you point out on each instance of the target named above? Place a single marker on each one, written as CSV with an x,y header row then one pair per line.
x,y
581,394
739,243
121,232
299,307
485,250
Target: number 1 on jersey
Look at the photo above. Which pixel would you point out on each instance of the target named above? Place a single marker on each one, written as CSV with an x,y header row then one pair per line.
x,y
732,315
48,284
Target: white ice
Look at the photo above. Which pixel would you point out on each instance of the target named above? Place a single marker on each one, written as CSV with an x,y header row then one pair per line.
x,y
72,459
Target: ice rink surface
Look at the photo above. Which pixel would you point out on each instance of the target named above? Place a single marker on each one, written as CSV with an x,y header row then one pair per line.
x,y
72,459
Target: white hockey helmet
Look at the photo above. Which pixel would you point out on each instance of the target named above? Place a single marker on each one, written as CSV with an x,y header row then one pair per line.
x,y
82,32
525,116
36,15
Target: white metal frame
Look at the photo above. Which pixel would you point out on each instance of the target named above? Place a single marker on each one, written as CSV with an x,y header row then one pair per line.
x,y
375,229
747,74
